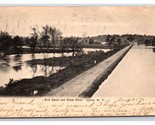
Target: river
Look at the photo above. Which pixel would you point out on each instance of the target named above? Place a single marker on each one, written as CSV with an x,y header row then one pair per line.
x,y
13,67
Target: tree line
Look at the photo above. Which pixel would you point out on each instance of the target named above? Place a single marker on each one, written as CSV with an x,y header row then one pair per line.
x,y
113,42
7,43
150,42
49,38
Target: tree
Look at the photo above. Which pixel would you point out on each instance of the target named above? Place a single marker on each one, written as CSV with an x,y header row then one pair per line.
x,y
91,41
153,41
32,42
64,45
111,41
55,34
5,43
17,45
75,45
117,43
45,38
130,38
153,50
49,37
147,42
108,38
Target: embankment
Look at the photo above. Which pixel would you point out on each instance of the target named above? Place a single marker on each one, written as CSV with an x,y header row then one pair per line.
x,y
103,76
86,83
42,84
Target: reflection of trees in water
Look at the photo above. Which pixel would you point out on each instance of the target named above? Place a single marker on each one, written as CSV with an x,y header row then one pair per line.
x,y
43,69
5,58
33,66
34,69
46,69
52,70
17,68
17,58
4,67
153,50
18,63
33,56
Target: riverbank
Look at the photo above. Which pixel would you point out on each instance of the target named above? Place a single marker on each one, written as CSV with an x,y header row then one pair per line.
x,y
39,86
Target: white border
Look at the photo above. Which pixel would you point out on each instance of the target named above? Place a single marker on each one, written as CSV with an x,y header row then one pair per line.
x,y
77,123
79,2
109,121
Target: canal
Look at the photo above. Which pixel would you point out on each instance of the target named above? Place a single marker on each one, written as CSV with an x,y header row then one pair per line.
x,y
133,77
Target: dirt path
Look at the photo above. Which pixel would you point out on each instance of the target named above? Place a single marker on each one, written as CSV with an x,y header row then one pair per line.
x,y
82,82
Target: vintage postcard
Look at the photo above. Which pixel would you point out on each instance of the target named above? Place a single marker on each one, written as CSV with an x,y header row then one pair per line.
x,y
77,61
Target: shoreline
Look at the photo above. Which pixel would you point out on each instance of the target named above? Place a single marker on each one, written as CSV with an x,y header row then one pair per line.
x,y
43,85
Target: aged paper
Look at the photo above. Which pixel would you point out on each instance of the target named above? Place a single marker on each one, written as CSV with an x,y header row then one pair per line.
x,y
75,107
77,61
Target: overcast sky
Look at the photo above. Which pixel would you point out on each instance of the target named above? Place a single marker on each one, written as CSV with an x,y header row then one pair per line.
x,y
76,21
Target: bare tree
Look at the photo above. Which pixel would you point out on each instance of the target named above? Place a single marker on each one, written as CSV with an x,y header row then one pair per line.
x,y
17,45
55,34
111,40
64,45
75,45
49,37
5,43
45,38
33,40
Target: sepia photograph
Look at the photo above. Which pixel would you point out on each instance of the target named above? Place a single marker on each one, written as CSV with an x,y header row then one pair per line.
x,y
79,60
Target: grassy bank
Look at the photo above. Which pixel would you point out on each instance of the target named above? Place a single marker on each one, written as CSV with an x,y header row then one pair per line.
x,y
74,66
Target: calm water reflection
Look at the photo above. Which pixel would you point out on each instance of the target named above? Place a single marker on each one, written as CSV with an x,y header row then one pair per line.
x,y
87,50
153,50
14,67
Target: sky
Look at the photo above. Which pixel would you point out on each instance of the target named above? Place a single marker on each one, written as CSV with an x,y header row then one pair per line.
x,y
79,21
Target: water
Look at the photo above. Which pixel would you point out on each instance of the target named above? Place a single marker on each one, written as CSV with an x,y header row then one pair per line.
x,y
12,67
133,77
87,50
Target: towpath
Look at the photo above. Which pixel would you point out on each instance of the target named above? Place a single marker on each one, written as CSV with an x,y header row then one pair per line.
x,y
83,81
